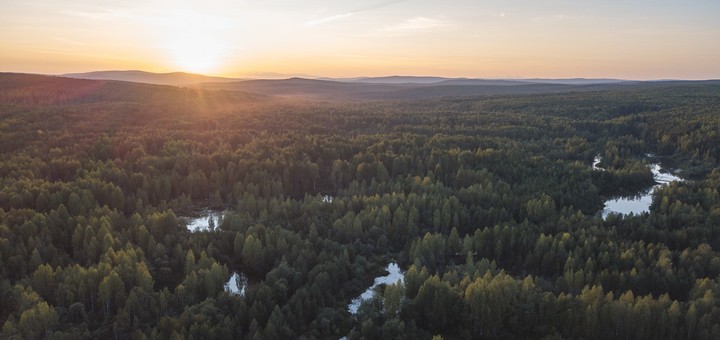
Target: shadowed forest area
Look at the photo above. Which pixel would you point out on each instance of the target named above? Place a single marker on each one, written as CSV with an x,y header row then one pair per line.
x,y
488,203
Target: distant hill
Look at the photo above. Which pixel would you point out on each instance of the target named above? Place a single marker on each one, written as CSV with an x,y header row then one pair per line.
x,y
578,81
33,89
402,88
401,80
404,80
19,88
472,81
173,78
361,88
184,79
388,80
312,88
483,82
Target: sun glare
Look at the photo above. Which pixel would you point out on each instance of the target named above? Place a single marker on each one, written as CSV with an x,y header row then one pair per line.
x,y
194,55
194,41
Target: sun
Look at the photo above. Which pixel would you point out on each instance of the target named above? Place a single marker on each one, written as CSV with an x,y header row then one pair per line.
x,y
193,41
195,55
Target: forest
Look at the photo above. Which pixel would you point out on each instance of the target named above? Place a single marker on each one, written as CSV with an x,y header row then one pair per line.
x,y
489,204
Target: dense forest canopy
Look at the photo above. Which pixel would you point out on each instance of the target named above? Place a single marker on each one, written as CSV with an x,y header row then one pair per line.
x,y
488,203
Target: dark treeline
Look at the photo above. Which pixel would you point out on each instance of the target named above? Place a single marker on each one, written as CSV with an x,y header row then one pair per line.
x,y
490,205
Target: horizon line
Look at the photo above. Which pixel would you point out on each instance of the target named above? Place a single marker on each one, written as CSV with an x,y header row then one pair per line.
x,y
285,76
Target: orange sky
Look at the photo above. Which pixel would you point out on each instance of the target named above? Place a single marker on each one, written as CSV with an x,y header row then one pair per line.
x,y
491,39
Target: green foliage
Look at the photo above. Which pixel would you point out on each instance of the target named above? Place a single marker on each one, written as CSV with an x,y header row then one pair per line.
x,y
489,202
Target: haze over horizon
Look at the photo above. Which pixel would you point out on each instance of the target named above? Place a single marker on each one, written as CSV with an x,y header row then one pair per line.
x,y
493,39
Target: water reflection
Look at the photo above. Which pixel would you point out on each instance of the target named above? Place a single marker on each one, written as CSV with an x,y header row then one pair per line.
x,y
204,220
395,275
595,163
640,203
237,284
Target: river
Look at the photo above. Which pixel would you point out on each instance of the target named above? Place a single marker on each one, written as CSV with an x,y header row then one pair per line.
x,y
641,202
395,275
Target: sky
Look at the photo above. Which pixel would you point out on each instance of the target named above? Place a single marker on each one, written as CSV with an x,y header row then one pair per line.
x,y
639,39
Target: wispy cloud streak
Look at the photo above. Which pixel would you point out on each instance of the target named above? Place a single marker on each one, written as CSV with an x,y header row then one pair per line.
x,y
96,15
327,19
417,25
330,18
556,17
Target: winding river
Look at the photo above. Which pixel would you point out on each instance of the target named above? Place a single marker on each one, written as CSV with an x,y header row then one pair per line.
x,y
640,203
395,275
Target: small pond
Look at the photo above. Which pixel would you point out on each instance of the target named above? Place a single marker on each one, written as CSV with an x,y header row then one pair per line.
x,y
237,284
201,220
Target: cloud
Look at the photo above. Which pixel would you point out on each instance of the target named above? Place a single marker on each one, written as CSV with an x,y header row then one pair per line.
x,y
330,18
96,15
68,41
555,17
417,25
327,19
561,17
